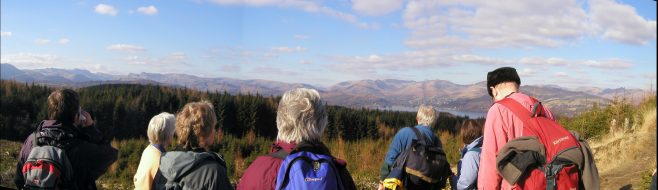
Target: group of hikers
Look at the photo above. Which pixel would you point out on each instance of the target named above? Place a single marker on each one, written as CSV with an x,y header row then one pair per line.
x,y
520,146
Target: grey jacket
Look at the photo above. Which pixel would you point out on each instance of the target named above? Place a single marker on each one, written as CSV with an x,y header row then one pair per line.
x,y
533,150
192,170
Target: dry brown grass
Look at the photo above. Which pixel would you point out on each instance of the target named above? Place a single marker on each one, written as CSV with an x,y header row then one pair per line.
x,y
239,164
623,155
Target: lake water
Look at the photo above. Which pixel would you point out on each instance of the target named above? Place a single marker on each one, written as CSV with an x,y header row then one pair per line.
x,y
472,115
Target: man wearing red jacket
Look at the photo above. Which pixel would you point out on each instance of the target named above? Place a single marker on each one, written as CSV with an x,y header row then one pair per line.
x,y
501,124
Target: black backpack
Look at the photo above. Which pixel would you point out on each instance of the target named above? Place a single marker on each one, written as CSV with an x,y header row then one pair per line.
x,y
423,165
48,166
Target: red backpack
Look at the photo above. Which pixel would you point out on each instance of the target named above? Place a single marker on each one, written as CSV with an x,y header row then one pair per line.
x,y
556,173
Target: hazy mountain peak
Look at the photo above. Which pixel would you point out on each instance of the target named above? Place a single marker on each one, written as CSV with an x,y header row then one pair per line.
x,y
379,93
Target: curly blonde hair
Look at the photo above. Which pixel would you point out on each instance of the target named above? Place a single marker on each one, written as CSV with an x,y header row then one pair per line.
x,y
194,124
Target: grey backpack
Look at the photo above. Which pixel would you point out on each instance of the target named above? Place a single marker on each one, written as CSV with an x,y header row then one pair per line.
x,y
48,166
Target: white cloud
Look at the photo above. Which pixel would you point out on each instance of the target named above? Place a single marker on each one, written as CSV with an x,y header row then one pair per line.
x,y
31,60
233,68
305,62
284,49
561,74
106,10
126,48
5,34
97,68
610,63
494,24
42,41
607,64
376,7
304,5
176,58
376,64
301,37
552,61
527,72
239,55
467,58
420,60
150,10
373,26
621,22
266,70
64,41
470,24
447,32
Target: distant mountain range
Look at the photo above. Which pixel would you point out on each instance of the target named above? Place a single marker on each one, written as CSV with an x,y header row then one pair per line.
x,y
380,94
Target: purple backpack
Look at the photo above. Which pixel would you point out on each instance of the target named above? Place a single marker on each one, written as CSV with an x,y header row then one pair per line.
x,y
311,166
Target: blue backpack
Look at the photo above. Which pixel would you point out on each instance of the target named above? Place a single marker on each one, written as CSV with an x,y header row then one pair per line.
x,y
308,170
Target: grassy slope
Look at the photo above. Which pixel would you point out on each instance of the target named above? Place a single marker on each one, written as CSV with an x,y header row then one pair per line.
x,y
8,151
624,157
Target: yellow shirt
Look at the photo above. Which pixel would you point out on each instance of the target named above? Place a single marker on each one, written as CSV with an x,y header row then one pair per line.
x,y
148,167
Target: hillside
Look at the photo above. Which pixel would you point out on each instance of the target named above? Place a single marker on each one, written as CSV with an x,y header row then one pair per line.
x,y
390,94
627,153
624,151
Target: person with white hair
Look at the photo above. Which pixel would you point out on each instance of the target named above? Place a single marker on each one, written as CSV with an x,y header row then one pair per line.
x,y
160,133
301,119
426,117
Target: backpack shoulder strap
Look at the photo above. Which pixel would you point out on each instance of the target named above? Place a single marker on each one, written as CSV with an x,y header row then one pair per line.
x,y
280,154
516,108
158,179
35,137
420,136
313,147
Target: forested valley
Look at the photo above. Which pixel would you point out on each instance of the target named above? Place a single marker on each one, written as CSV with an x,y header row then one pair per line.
x,y
246,123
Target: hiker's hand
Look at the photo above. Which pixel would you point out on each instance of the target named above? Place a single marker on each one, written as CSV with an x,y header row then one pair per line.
x,y
88,121
381,186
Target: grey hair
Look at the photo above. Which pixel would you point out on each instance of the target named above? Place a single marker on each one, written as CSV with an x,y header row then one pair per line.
x,y
161,128
301,116
426,115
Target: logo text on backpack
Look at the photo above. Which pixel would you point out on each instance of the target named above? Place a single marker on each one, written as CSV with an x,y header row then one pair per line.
x,y
316,166
555,142
312,179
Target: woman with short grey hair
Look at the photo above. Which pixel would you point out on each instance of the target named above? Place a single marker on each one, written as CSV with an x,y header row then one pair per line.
x,y
160,133
300,119
301,116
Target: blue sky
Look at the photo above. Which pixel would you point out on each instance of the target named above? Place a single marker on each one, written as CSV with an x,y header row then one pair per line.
x,y
572,43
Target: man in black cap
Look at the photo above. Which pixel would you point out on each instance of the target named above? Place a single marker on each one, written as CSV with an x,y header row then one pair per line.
x,y
501,124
